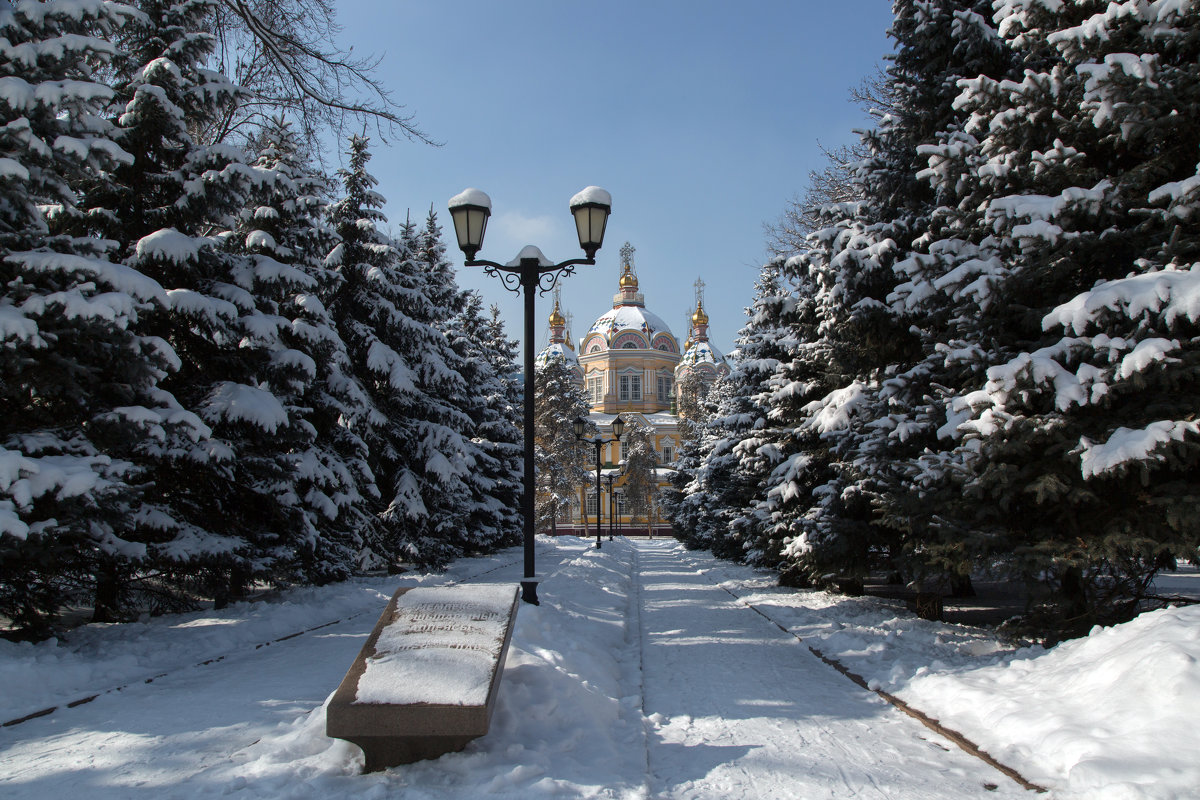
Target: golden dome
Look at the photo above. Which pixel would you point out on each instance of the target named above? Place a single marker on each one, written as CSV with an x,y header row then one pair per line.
x,y
557,320
699,318
628,279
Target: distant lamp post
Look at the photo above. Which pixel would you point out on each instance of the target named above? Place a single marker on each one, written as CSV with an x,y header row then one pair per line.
x,y
530,270
618,428
611,503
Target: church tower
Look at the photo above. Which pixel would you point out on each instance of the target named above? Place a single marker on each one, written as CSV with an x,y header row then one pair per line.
x,y
700,359
628,356
560,341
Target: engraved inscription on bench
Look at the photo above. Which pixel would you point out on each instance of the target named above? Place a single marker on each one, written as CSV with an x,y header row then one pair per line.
x,y
425,682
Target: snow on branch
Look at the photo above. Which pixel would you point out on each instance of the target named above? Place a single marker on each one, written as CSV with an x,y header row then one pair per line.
x,y
237,402
833,411
1169,294
1126,446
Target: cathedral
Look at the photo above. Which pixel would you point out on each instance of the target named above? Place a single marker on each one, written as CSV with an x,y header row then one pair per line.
x,y
630,364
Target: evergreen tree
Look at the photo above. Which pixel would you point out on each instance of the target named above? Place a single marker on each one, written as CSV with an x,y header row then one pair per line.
x,y
786,458
70,357
872,412
222,498
1073,462
697,404
559,458
723,488
413,425
494,516
285,235
640,472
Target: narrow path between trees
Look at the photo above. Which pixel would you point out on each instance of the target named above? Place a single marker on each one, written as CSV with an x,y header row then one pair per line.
x,y
638,677
737,707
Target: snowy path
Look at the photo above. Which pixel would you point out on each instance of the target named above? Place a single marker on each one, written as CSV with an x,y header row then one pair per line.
x,y
739,708
638,677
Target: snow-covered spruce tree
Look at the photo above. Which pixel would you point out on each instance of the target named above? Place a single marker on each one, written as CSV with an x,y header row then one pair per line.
x,y
494,516
285,236
222,500
413,430
785,460
1078,456
640,471
867,418
560,460
696,404
494,506
724,486
69,356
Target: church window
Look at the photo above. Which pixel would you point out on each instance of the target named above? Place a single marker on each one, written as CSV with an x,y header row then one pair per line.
x,y
629,346
664,387
630,388
621,504
591,504
596,388
668,454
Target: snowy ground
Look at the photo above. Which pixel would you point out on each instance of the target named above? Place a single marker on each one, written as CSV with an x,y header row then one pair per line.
x,y
647,672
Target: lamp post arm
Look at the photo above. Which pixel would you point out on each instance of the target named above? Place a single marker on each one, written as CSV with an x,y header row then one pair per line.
x,y
529,272
571,262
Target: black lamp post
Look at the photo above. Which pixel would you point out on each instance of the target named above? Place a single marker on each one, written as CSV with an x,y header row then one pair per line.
x,y
618,428
609,477
528,271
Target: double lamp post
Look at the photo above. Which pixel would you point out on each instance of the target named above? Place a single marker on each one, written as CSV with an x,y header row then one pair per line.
x,y
530,270
618,429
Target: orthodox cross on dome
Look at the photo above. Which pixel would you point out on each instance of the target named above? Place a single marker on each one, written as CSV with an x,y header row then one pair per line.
x,y
699,318
627,251
628,284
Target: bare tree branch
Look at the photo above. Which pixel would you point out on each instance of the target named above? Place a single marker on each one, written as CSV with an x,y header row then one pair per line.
x,y
834,182
284,54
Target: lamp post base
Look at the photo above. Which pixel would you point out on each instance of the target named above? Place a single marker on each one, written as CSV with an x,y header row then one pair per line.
x,y
597,542
529,592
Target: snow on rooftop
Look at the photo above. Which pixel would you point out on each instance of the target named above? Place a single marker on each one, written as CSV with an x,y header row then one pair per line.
x,y
626,317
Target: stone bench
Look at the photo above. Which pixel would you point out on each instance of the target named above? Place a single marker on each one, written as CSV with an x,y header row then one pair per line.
x,y
425,682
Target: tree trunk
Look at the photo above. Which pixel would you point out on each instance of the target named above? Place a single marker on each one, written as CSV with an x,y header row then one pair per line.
x,y
107,605
961,586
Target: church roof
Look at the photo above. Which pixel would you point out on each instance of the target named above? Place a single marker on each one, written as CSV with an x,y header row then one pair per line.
x,y
702,352
624,318
557,350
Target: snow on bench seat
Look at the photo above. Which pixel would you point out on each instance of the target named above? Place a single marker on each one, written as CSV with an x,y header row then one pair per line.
x,y
425,682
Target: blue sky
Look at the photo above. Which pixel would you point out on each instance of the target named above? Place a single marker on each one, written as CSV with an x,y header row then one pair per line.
x,y
700,118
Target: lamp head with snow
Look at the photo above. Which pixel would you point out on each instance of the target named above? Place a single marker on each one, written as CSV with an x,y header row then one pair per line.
x,y
580,425
591,208
618,426
470,210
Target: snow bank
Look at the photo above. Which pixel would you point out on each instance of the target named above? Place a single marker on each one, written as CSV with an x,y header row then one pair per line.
x,y
100,657
568,707
1108,717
